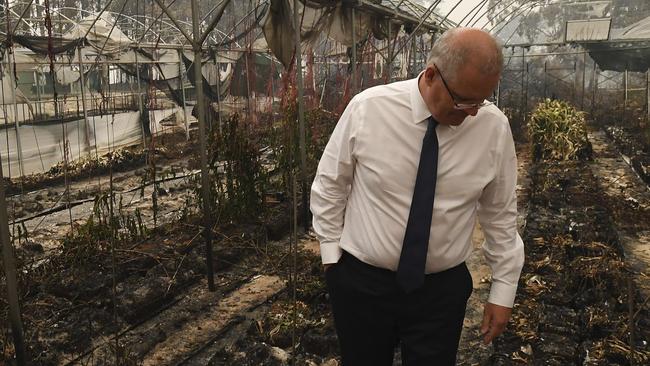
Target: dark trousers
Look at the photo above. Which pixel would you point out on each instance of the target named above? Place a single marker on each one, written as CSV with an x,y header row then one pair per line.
x,y
373,315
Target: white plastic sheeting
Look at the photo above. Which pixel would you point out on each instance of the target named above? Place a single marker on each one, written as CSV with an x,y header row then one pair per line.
x,y
102,36
68,74
640,29
335,22
626,50
8,91
42,145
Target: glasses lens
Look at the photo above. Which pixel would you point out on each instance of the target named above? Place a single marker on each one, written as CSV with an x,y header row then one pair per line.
x,y
473,105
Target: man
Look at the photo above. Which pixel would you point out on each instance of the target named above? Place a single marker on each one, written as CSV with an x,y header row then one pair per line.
x,y
408,168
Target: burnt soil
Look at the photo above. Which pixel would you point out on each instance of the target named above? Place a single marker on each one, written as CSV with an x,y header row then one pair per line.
x,y
573,305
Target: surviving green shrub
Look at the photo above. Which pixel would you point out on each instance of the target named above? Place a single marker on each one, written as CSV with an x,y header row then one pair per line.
x,y
558,132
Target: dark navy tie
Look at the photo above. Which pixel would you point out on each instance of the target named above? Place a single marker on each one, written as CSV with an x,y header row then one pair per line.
x,y
410,272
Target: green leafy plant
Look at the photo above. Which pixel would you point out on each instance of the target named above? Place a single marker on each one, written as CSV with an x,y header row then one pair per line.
x,y
558,132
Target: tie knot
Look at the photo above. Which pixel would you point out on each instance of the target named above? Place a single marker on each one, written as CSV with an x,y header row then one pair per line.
x,y
431,126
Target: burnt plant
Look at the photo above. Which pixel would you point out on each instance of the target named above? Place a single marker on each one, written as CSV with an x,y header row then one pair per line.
x,y
285,142
22,235
236,174
93,237
285,145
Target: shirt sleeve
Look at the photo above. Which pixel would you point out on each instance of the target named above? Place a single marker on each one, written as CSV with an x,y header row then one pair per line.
x,y
331,186
497,212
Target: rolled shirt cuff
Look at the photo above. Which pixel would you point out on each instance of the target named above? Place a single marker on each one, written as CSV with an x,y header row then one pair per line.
x,y
330,252
502,294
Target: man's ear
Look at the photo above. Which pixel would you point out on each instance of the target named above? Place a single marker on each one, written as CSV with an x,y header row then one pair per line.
x,y
429,74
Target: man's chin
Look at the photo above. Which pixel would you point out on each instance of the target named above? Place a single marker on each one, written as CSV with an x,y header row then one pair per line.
x,y
456,121
452,120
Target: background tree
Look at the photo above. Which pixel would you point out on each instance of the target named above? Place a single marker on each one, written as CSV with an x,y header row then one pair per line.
x,y
538,19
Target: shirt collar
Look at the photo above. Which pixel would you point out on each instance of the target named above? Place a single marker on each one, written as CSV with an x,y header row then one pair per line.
x,y
419,110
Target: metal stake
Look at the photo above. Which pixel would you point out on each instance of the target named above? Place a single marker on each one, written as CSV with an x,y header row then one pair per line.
x,y
182,79
301,114
595,88
10,273
16,119
205,179
353,85
647,94
545,78
523,87
584,68
625,81
82,82
137,76
389,60
37,78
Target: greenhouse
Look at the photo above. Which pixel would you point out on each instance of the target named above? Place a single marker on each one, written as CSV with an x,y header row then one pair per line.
x,y
158,161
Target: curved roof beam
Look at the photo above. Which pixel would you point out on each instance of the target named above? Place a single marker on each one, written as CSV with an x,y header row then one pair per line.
x,y
158,18
430,10
486,11
205,18
20,17
83,12
451,11
517,11
215,20
475,11
520,24
98,16
171,17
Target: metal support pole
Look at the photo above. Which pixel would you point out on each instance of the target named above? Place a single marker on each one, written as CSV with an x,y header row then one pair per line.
x,y
545,78
37,78
182,81
12,79
523,87
353,85
625,84
389,60
498,94
301,115
412,58
647,97
584,68
180,28
205,179
10,273
140,108
250,97
595,88
527,88
82,84
216,62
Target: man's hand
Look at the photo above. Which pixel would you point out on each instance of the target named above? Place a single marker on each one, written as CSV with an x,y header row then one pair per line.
x,y
495,318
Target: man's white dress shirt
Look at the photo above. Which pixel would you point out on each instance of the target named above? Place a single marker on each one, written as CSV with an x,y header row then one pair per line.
x,y
361,195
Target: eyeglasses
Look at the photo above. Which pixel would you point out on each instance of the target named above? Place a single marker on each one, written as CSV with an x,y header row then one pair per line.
x,y
461,106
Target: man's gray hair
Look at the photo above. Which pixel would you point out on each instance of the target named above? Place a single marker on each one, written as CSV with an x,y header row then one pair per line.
x,y
450,55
